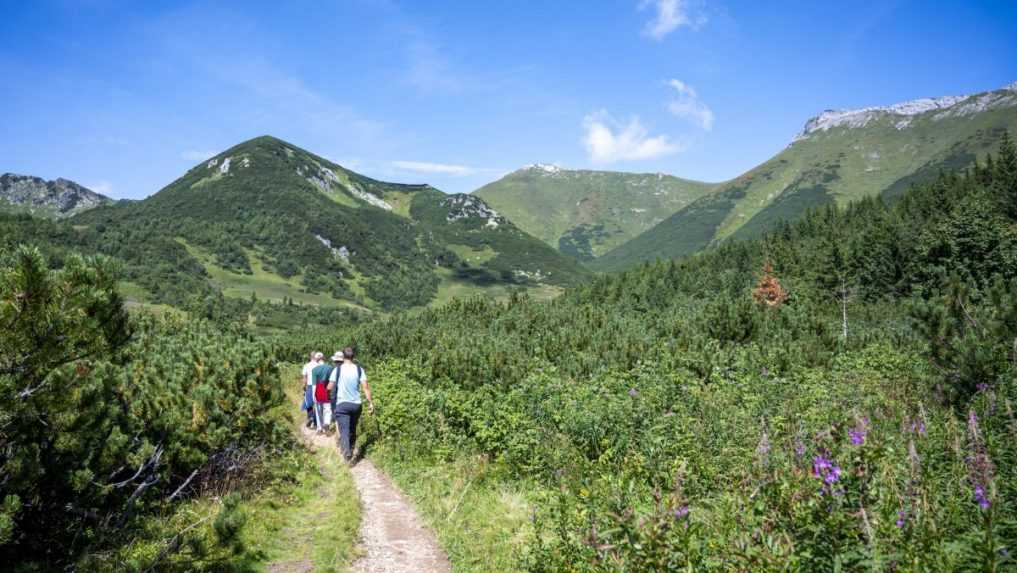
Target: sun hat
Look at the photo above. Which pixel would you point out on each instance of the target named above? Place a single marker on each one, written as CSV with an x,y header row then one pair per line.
x,y
337,357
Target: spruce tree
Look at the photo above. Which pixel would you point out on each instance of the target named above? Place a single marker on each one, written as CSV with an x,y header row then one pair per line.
x,y
1004,178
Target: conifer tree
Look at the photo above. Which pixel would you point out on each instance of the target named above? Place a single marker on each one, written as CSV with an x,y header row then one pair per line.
x,y
1004,178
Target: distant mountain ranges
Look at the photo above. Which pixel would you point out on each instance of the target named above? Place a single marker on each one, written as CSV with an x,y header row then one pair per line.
x,y
270,219
611,221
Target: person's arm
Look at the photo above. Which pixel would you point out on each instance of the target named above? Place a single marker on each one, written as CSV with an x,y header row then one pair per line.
x,y
333,378
367,392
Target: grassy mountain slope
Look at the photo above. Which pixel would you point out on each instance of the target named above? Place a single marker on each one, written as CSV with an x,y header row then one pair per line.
x,y
269,218
51,199
839,157
586,213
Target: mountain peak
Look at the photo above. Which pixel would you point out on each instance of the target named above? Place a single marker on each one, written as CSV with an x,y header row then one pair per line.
x,y
549,168
904,112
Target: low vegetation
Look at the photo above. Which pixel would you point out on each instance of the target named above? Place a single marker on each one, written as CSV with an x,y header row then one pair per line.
x,y
838,395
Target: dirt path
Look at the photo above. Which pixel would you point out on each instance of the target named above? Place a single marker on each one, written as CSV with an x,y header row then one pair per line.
x,y
393,537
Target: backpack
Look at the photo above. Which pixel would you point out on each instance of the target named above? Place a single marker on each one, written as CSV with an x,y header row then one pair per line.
x,y
360,374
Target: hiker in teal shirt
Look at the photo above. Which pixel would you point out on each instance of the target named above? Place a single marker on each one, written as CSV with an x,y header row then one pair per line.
x,y
320,375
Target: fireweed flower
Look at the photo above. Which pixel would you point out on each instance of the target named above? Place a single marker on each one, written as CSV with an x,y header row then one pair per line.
x,y
980,468
826,470
918,427
858,433
799,447
980,499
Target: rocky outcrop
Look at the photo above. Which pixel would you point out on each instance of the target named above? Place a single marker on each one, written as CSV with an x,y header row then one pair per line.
x,y
60,198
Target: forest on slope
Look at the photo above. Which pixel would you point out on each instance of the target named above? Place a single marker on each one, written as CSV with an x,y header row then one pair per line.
x,y
266,217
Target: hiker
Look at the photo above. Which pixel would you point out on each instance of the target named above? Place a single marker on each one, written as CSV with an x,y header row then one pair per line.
x,y
307,381
347,378
319,377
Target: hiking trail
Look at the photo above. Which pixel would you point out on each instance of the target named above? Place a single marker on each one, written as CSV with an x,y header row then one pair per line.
x,y
393,538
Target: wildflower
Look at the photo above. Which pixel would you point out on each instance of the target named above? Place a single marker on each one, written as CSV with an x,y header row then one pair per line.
x,y
828,471
980,468
633,392
918,427
902,518
857,434
980,499
680,512
799,447
982,387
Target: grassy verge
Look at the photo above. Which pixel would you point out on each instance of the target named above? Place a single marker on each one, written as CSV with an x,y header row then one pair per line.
x,y
317,521
481,521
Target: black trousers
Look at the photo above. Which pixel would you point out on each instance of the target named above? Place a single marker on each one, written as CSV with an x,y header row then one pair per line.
x,y
347,414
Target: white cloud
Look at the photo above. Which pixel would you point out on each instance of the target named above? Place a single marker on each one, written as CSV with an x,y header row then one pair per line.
x,y
608,141
669,15
427,167
195,155
686,104
101,187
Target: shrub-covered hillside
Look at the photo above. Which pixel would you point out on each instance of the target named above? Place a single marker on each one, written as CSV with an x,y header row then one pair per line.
x,y
268,218
108,420
838,395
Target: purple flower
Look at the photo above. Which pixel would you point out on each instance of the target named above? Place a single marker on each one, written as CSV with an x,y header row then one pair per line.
x,y
980,499
799,447
680,512
827,470
982,386
918,426
633,392
902,518
980,466
857,434
973,425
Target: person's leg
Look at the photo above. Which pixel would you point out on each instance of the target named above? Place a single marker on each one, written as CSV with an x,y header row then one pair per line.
x,y
309,404
319,416
354,419
343,422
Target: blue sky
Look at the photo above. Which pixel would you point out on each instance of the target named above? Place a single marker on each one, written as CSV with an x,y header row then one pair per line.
x,y
125,96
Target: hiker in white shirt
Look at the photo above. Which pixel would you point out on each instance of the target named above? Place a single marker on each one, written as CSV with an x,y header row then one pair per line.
x,y
346,381
316,358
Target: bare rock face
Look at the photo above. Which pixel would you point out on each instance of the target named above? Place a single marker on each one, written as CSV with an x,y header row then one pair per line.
x,y
59,198
946,106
